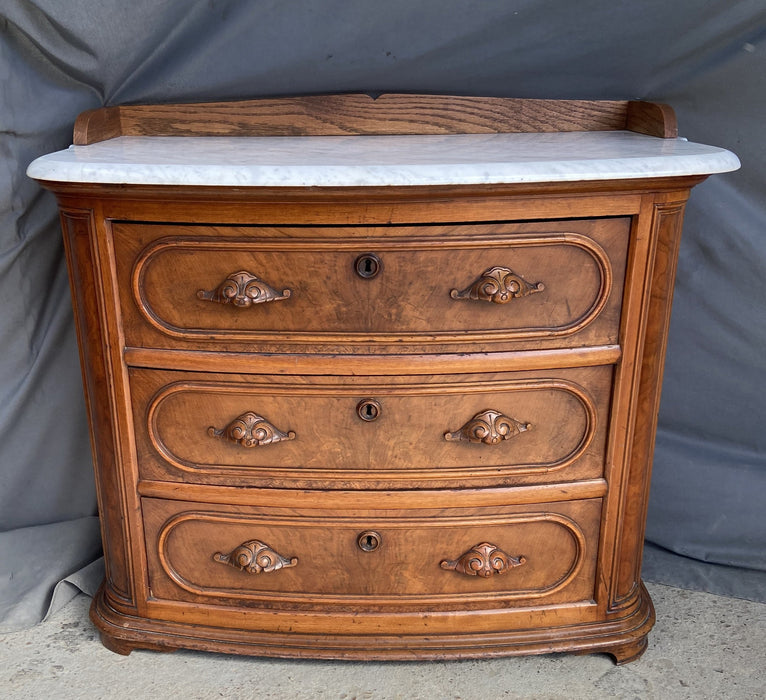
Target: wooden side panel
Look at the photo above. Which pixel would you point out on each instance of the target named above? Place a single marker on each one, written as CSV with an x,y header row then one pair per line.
x,y
78,227
652,119
666,229
96,125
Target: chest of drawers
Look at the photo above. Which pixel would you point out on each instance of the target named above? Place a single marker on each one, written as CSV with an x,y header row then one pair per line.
x,y
374,379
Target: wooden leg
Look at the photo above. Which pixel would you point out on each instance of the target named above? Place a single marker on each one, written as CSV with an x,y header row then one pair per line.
x,y
625,653
125,646
118,646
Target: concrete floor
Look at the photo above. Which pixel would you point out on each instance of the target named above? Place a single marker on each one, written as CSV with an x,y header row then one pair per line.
x,y
703,646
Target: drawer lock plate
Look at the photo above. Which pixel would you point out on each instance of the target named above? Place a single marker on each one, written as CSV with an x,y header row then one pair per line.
x,y
369,541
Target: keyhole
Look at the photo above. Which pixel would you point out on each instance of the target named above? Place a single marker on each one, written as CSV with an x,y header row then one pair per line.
x,y
368,410
367,265
369,541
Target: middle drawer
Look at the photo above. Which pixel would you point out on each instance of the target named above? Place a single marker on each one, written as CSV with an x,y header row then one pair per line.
x,y
382,432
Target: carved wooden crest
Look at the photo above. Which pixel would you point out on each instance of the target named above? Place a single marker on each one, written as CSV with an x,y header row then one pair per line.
x,y
250,430
255,557
484,560
243,289
490,427
498,285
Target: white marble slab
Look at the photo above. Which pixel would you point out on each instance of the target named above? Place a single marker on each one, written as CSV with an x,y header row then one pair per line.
x,y
339,161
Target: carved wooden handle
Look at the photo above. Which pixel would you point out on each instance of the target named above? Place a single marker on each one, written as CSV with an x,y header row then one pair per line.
x,y
250,430
243,289
255,557
484,560
489,427
497,285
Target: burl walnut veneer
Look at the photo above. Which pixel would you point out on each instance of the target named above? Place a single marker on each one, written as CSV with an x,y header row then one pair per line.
x,y
374,379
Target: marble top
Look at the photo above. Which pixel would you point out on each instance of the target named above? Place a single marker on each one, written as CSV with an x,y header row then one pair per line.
x,y
341,161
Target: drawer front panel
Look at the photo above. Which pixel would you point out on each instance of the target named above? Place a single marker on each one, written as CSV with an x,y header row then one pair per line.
x,y
527,284
530,555
542,426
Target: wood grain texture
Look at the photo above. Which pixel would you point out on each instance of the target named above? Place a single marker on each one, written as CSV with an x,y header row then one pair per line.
x,y
624,637
566,412
339,364
410,302
652,118
169,369
78,226
335,115
403,572
667,217
391,501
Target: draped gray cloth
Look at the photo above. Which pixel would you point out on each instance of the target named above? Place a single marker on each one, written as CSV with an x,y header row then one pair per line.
x,y
706,59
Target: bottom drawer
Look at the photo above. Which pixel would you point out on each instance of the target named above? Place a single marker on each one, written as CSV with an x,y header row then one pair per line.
x,y
523,555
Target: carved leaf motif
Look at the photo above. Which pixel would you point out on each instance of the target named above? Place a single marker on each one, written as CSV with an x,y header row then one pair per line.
x,y
250,430
490,427
243,289
484,560
255,557
498,285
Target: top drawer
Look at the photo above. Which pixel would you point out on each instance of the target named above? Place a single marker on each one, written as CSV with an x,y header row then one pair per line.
x,y
348,289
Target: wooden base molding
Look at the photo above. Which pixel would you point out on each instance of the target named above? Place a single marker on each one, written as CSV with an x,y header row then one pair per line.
x,y
624,638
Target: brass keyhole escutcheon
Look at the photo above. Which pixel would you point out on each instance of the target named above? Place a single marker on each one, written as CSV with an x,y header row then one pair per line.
x,y
368,410
368,266
369,541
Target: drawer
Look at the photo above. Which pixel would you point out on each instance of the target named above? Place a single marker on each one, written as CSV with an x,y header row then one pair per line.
x,y
246,288
514,555
500,429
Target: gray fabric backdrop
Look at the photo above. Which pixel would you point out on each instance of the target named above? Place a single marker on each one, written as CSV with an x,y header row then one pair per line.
x,y
706,58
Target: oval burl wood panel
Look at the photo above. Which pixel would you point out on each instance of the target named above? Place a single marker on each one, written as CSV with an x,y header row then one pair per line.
x,y
198,427
246,285
553,547
324,292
